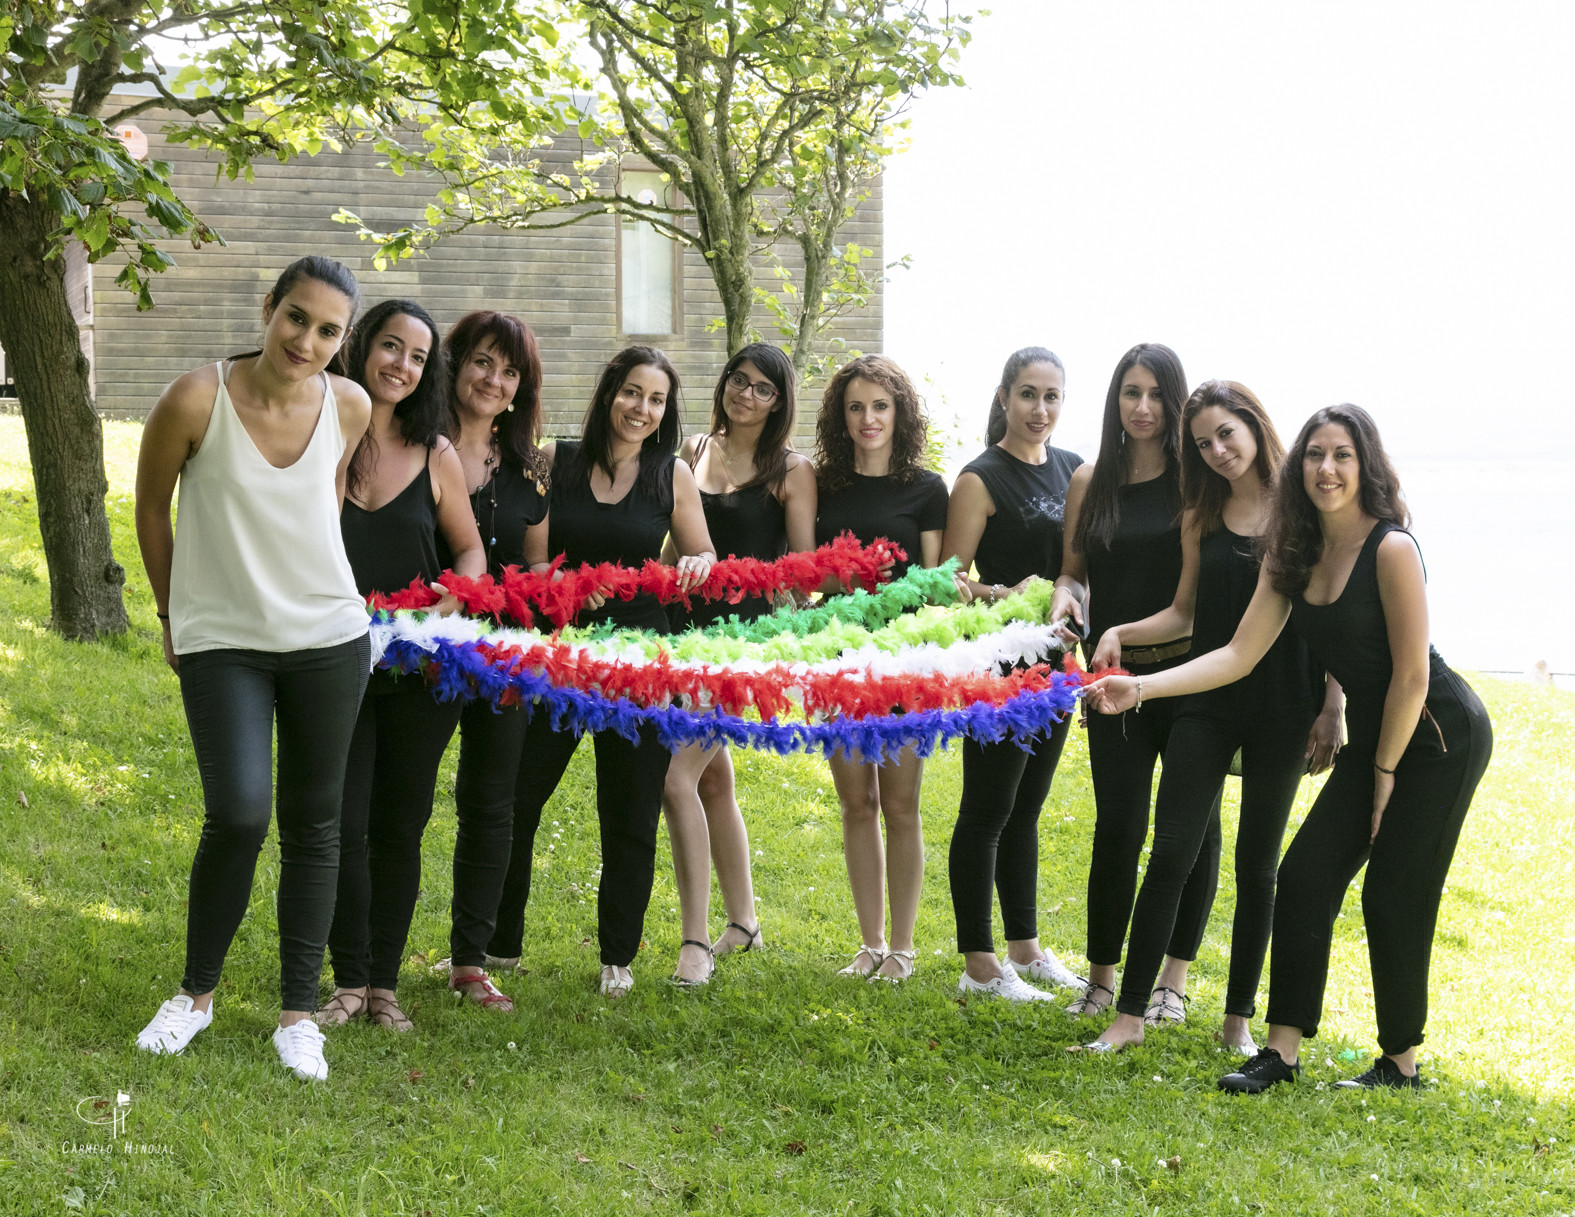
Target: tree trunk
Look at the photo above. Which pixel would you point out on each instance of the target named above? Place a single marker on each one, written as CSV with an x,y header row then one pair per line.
x,y
64,436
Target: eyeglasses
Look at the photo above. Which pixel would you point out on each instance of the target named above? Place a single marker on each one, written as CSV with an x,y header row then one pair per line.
x,y
765,392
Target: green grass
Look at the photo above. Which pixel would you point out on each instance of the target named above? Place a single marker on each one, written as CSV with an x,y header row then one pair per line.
x,y
779,1088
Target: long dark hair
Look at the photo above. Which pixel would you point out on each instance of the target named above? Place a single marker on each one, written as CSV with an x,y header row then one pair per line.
x,y
1203,491
596,430
1294,540
833,443
995,426
771,451
1101,514
518,430
423,414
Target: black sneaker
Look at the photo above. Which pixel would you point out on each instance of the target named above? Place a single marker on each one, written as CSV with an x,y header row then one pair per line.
x,y
1258,1074
1383,1073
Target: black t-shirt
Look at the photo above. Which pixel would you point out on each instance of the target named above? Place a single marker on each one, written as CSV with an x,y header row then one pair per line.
x,y
505,505
882,507
1137,575
1025,535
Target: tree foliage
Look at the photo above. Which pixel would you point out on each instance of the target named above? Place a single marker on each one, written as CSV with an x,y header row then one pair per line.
x,y
772,118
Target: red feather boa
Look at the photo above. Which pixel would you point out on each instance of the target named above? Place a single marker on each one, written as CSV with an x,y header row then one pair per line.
x,y
559,594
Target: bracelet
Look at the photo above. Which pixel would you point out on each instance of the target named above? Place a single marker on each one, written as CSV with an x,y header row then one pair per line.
x,y
162,616
1139,705
1381,769
997,592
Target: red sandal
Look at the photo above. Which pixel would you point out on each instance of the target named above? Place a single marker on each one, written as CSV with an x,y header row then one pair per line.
x,y
490,994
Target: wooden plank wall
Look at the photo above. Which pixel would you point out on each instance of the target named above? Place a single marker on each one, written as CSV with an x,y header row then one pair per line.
x,y
562,282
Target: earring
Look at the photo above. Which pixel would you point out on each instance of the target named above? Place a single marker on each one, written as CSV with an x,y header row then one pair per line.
x,y
509,407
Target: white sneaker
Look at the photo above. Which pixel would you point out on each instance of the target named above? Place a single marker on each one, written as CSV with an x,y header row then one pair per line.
x,y
300,1048
173,1026
1049,970
1008,985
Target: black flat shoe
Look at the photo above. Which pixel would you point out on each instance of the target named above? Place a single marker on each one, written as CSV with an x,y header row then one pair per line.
x,y
1257,1075
1383,1073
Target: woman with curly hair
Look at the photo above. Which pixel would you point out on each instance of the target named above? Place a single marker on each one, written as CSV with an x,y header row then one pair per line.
x,y
869,463
1341,567
1123,554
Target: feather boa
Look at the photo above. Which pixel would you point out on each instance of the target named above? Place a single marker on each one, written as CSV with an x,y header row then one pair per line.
x,y
560,593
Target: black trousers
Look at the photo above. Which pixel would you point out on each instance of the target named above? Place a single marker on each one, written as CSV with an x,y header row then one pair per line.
x,y
398,744
996,839
629,780
489,762
1197,759
1122,752
1406,869
232,701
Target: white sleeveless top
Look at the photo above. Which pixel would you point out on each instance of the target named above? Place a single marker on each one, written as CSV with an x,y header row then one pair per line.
x,y
259,561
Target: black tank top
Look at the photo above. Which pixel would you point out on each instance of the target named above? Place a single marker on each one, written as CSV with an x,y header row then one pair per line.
x,y
749,522
1025,535
1349,636
389,547
1285,686
1137,575
627,532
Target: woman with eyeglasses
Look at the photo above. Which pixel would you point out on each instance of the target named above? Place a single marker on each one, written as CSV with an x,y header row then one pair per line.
x,y
759,501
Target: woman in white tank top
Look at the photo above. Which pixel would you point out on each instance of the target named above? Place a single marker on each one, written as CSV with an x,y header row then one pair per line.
x,y
262,623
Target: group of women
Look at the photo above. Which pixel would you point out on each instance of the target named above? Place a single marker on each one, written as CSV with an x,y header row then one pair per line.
x,y
1177,558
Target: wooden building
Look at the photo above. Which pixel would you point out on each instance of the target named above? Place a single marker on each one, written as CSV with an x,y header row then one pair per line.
x,y
586,290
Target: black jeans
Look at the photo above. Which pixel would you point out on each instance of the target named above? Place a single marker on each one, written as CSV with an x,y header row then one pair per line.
x,y
232,700
1406,869
1197,758
1122,752
629,781
996,839
489,762
398,744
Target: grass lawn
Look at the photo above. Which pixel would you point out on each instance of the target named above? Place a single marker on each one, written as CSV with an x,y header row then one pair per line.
x,y
779,1088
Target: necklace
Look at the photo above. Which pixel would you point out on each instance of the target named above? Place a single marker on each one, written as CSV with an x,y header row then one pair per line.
x,y
489,466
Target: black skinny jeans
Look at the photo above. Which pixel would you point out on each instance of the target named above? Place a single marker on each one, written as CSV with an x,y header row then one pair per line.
x,y
1197,759
996,839
489,762
629,780
398,744
232,700
1122,752
1406,869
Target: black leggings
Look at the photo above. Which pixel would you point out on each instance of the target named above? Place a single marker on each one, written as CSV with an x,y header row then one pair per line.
x,y
1197,759
1406,868
996,840
1122,752
629,780
232,700
398,744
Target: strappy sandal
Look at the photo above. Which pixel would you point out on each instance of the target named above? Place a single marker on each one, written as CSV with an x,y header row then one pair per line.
x,y
385,1012
684,982
613,984
1090,1003
1162,1010
751,939
877,956
490,996
908,959
344,1006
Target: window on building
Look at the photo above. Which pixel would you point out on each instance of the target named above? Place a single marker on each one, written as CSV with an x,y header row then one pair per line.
x,y
647,263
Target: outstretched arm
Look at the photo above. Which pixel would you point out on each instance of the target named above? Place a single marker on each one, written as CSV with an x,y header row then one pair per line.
x,y
1260,626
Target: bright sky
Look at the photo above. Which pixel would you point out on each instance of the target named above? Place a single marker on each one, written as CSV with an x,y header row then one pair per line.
x,y
1335,202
